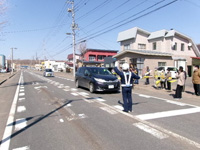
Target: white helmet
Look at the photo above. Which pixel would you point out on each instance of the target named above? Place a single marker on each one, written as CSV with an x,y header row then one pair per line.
x,y
125,66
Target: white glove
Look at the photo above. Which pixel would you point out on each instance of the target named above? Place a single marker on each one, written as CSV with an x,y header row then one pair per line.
x,y
116,64
140,77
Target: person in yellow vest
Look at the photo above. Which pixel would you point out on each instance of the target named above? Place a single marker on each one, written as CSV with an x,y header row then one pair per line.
x,y
162,79
156,81
168,79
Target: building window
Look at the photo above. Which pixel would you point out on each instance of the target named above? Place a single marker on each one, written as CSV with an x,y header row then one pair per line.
x,y
189,48
141,46
174,46
101,57
160,64
154,46
127,47
92,58
182,46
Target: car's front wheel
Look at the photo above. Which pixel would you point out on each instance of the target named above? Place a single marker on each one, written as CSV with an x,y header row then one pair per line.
x,y
77,84
91,88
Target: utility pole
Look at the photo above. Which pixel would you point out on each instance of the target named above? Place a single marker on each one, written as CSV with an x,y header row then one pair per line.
x,y
74,27
12,58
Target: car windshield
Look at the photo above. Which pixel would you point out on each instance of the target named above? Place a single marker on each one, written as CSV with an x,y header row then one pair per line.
x,y
161,68
100,71
172,69
48,70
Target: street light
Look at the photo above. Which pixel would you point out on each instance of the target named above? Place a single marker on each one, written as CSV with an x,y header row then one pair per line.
x,y
12,58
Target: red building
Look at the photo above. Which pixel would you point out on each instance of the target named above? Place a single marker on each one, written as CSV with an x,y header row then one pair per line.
x,y
97,55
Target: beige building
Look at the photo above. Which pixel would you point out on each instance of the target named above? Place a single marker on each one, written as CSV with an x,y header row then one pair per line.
x,y
154,49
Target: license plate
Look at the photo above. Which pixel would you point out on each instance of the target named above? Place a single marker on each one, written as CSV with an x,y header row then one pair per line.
x,y
111,86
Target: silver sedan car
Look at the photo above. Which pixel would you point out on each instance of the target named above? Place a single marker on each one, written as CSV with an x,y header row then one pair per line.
x,y
48,73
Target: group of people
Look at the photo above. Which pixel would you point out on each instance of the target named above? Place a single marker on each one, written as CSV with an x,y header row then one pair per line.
x,y
129,73
162,78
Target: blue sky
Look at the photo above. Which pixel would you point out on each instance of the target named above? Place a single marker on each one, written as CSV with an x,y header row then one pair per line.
x,y
40,26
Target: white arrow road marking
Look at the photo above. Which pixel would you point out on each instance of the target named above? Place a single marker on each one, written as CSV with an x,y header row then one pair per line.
x,y
75,94
168,113
151,130
23,148
21,109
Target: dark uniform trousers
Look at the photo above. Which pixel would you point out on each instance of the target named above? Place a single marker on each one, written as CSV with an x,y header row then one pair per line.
x,y
127,98
197,89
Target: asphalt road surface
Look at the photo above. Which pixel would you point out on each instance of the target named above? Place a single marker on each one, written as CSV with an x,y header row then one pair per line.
x,y
40,113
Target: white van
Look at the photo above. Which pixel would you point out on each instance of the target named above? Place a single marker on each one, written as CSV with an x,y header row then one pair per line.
x,y
173,70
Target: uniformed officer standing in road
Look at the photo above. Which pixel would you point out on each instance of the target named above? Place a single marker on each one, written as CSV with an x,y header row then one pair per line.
x,y
127,84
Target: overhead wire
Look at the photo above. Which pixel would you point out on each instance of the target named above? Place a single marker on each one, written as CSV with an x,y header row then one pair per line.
x,y
143,15
128,18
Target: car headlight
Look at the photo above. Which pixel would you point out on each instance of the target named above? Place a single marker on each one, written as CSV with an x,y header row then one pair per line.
x,y
99,80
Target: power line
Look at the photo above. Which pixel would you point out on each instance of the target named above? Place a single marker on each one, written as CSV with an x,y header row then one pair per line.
x,y
99,6
108,13
106,31
128,18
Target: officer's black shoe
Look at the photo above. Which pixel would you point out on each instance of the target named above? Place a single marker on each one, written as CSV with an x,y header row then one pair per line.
x,y
130,110
125,111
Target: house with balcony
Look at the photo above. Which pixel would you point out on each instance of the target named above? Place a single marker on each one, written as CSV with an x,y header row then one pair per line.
x,y
95,57
160,48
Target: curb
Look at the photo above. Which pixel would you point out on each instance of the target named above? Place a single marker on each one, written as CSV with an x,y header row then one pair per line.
x,y
7,79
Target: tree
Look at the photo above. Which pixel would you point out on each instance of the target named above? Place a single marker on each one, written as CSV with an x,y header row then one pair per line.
x,y
82,48
2,11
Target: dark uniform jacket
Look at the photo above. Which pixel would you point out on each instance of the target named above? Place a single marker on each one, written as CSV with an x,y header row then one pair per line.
x,y
121,74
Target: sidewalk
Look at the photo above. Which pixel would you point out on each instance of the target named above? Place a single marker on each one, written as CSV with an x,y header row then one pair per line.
x,y
5,76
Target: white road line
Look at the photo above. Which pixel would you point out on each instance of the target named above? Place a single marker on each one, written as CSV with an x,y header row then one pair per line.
x,y
21,109
65,90
107,109
146,96
21,87
21,94
73,89
61,120
67,87
119,107
167,100
151,130
170,133
176,103
75,94
23,148
100,99
168,113
82,116
22,90
8,130
83,93
21,99
20,124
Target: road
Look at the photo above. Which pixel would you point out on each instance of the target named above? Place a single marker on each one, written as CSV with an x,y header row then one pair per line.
x,y
39,113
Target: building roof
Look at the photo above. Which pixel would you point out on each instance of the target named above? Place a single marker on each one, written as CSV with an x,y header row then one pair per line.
x,y
157,34
144,52
107,50
198,46
195,57
130,34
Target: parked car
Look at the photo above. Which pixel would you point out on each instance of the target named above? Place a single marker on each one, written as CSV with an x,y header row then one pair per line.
x,y
3,70
96,79
173,70
48,73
